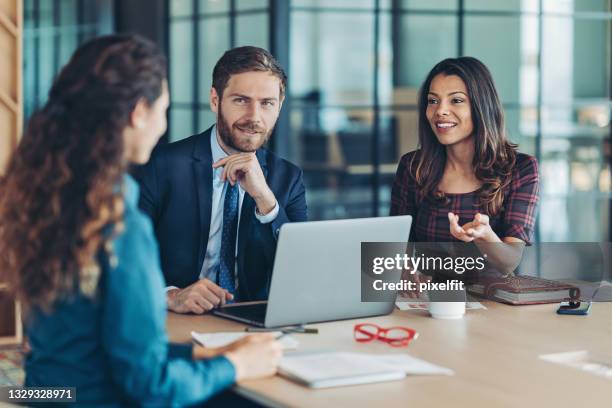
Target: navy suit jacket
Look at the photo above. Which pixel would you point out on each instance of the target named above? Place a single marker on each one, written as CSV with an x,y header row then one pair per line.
x,y
176,192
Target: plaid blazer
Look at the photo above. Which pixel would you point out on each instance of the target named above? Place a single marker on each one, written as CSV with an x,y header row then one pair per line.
x,y
430,217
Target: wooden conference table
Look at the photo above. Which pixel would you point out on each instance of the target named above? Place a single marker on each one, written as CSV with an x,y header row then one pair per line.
x,y
493,352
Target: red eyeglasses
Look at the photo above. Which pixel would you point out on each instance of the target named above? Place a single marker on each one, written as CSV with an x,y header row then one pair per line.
x,y
396,336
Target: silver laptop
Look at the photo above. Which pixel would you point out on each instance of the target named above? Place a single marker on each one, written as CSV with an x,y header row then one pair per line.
x,y
317,273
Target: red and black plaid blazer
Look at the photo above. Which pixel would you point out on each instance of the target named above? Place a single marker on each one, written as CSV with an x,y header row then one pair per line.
x,y
430,218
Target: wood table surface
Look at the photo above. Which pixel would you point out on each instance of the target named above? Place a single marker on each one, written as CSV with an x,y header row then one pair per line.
x,y
493,352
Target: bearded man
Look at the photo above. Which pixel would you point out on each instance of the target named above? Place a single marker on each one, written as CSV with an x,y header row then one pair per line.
x,y
218,199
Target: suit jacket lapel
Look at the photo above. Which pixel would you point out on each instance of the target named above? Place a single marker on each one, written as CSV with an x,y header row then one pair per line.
x,y
202,170
261,158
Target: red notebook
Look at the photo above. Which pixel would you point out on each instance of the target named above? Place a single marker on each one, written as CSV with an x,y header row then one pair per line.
x,y
523,290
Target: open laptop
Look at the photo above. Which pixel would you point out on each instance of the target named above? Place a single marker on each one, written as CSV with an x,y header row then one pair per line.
x,y
317,273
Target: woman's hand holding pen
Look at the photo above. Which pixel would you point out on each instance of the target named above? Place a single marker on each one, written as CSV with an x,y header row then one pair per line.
x,y
254,356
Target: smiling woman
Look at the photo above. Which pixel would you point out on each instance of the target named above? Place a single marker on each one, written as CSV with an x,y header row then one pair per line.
x,y
467,182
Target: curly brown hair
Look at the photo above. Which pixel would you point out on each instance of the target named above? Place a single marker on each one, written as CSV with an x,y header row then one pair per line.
x,y
494,156
60,199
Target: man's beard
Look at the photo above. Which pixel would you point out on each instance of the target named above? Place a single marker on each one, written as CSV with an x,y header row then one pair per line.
x,y
241,143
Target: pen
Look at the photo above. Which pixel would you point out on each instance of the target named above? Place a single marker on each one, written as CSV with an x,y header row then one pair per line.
x,y
305,330
308,330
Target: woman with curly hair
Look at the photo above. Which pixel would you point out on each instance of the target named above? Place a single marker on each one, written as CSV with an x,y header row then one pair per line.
x,y
467,182
81,255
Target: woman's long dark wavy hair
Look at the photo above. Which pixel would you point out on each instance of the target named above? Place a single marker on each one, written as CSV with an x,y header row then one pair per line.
x,y
494,156
60,200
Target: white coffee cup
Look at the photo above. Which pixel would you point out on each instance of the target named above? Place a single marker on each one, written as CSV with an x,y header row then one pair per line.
x,y
447,310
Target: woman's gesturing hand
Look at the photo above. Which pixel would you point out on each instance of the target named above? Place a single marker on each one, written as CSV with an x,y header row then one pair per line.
x,y
478,228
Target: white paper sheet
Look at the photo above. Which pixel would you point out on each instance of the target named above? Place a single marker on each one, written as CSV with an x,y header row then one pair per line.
x,y
582,360
412,365
422,303
332,369
224,338
323,366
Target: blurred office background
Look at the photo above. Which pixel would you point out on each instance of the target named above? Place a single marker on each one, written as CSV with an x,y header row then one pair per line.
x,y
354,69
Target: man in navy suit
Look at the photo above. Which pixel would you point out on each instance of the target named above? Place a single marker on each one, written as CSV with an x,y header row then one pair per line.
x,y
218,199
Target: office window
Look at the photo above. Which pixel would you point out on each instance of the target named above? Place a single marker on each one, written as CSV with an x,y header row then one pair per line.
x,y
53,29
575,121
200,31
332,90
355,68
550,61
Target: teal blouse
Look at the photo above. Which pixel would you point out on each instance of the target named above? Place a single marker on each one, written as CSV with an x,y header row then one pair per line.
x,y
114,348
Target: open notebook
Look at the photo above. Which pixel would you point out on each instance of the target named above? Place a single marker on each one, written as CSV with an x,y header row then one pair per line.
x,y
335,369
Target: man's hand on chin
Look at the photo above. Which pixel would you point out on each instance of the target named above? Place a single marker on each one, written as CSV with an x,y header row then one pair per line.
x,y
244,168
202,296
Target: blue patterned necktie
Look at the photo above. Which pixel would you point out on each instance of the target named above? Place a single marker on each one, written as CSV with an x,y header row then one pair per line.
x,y
227,261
